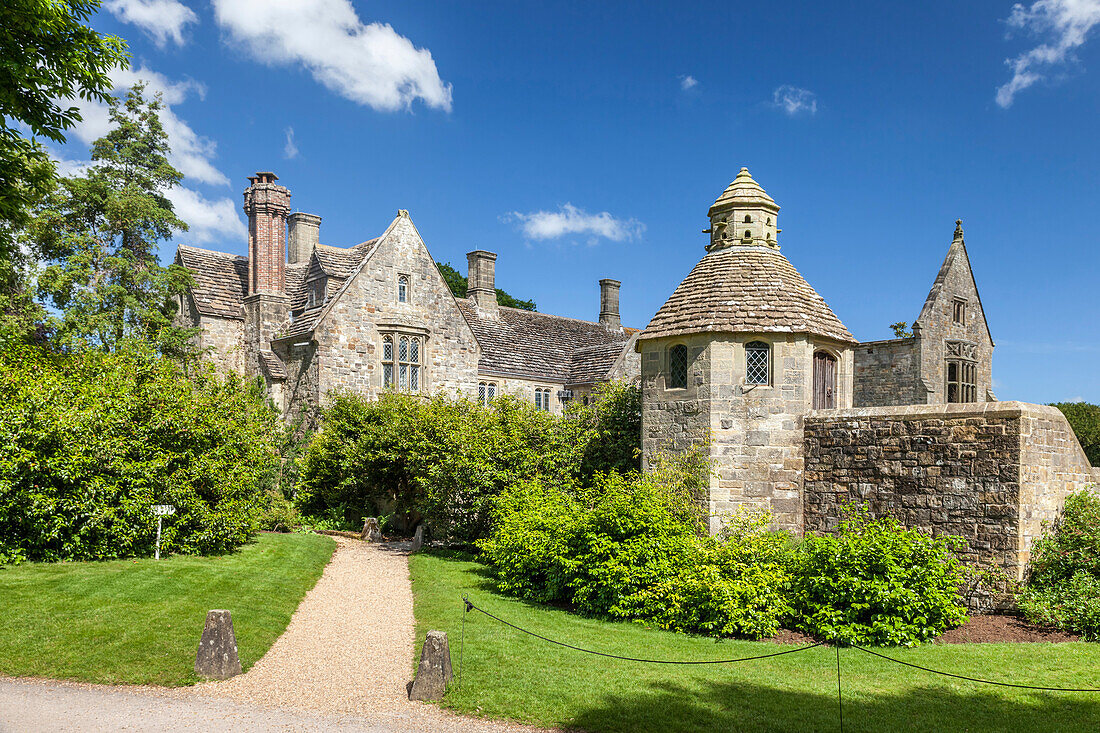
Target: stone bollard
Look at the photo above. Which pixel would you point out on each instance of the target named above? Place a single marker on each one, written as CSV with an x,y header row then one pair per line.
x,y
371,531
434,670
217,656
418,540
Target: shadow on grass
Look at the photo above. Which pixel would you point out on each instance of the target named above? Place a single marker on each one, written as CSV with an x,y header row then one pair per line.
x,y
728,706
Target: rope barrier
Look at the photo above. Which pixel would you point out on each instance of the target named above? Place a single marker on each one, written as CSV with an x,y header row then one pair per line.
x,y
975,679
471,607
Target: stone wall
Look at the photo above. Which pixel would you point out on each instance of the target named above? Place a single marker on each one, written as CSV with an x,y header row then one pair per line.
x,y
221,339
753,433
524,389
888,373
989,473
349,335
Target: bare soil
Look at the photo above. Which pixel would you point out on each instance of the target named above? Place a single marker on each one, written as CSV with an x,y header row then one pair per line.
x,y
999,629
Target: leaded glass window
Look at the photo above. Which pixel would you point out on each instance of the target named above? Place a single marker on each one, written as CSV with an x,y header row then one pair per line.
x,y
403,289
387,361
678,367
542,399
486,391
403,369
757,363
962,381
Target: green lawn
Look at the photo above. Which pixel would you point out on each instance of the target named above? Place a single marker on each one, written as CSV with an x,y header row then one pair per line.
x,y
139,621
506,674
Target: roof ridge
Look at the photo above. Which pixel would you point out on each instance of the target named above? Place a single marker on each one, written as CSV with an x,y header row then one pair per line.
x,y
549,315
211,251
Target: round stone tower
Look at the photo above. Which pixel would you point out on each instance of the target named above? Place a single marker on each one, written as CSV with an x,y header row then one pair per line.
x,y
737,355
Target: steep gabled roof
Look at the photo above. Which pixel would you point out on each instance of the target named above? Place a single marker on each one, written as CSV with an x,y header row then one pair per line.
x,y
954,252
746,289
220,280
540,346
341,262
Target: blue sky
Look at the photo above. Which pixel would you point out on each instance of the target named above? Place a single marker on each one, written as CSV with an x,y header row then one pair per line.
x,y
587,140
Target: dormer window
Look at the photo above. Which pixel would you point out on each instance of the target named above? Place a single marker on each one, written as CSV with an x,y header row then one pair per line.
x,y
315,293
403,289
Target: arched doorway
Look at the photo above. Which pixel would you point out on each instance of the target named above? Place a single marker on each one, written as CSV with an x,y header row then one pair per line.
x,y
824,381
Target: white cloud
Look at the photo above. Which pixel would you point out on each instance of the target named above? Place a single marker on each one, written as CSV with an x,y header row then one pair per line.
x,y
210,220
687,81
191,153
795,100
1065,24
290,150
369,64
163,20
543,225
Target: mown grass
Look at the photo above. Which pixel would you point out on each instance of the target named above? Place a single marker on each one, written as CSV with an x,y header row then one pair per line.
x,y
139,621
506,674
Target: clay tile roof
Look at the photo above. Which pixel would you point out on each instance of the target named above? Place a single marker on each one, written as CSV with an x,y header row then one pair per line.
x,y
341,262
539,346
220,280
749,289
272,365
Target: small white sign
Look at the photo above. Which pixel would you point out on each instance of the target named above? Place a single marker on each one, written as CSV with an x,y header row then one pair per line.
x,y
162,510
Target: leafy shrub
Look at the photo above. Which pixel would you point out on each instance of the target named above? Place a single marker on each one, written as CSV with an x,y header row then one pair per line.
x,y
1063,585
1084,418
1072,605
614,416
629,547
90,441
442,459
446,459
875,582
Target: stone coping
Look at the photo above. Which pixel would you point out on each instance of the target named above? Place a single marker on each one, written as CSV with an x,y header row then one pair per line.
x,y
942,411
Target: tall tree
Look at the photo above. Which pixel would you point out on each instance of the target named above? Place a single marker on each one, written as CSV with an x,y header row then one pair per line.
x,y
48,57
100,231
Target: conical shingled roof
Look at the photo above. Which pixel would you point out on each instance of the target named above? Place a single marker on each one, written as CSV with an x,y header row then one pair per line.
x,y
746,289
744,191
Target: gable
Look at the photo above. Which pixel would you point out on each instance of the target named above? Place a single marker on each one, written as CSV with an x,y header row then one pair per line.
x,y
370,288
954,280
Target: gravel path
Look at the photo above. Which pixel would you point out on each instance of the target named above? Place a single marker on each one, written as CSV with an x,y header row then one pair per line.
x,y
342,664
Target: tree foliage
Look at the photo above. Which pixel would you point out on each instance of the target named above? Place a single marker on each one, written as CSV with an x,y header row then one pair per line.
x,y
100,232
901,330
49,58
458,284
90,441
1084,418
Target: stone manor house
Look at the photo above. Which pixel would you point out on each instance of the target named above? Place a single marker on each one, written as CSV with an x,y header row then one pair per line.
x,y
744,360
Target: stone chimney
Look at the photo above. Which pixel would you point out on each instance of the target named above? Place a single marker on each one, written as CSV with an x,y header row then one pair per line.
x,y
266,204
303,235
481,281
609,303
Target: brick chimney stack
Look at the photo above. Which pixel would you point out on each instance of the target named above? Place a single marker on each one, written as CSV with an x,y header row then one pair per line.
x,y
481,281
267,205
609,303
304,233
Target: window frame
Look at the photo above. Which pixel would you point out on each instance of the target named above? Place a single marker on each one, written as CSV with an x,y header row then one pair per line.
x,y
757,346
542,399
958,311
964,383
403,288
402,360
673,382
486,392
316,291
